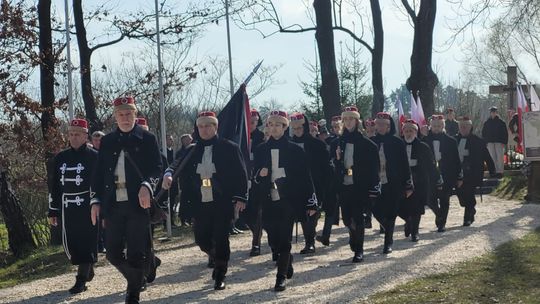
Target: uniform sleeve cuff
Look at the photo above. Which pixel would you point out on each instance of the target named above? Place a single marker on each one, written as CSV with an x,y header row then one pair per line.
x,y
239,198
168,172
94,201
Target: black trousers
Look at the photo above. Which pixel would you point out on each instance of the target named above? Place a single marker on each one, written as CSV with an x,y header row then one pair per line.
x,y
211,230
252,216
278,221
309,226
128,227
354,210
186,209
467,199
440,204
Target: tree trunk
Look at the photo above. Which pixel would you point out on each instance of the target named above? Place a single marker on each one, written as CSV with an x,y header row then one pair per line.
x,y
46,70
423,80
85,55
324,34
19,233
377,59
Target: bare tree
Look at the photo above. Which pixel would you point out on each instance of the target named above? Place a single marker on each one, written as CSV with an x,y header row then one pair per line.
x,y
140,25
422,80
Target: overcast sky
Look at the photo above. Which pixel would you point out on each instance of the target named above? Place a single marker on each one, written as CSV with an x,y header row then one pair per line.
x,y
292,49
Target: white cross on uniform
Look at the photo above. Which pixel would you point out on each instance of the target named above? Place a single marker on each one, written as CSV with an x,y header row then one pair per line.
x,y
348,162
206,169
120,173
437,150
461,148
382,171
277,173
412,162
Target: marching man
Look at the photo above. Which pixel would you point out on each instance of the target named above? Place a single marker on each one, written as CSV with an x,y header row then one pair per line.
x,y
70,200
128,169
284,185
319,164
394,174
357,164
446,155
215,180
473,153
424,174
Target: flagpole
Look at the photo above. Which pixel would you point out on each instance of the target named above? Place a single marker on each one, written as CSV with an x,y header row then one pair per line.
x,y
162,112
68,55
231,80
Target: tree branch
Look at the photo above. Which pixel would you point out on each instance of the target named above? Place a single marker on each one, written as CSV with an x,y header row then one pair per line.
x,y
410,10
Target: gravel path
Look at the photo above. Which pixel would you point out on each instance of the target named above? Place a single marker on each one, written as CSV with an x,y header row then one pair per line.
x,y
328,275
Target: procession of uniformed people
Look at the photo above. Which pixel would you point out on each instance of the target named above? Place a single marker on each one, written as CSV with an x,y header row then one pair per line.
x,y
296,171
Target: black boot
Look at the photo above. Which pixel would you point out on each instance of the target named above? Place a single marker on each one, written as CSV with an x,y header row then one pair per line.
x,y
415,224
80,285
325,240
357,243
407,227
211,261
153,270
284,265
280,283
219,274
255,251
308,249
91,273
290,269
388,237
358,257
132,297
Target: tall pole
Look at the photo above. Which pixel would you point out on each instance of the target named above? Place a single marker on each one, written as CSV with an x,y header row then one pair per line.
x,y
68,50
229,47
162,111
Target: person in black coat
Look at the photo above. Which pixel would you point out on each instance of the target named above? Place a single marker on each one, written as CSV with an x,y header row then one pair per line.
x,y
424,174
357,163
185,212
330,204
473,154
127,171
446,156
283,184
253,213
450,124
318,161
69,200
495,134
215,179
394,175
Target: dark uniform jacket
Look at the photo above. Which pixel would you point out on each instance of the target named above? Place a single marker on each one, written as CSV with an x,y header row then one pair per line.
x,y
318,161
398,172
228,182
449,164
494,131
143,149
424,172
257,138
296,187
365,169
473,163
70,190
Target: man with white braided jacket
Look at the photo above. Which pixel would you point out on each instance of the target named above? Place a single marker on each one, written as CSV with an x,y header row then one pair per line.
x,y
394,174
215,180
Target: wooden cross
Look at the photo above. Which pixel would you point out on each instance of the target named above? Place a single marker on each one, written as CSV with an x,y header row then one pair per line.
x,y
509,88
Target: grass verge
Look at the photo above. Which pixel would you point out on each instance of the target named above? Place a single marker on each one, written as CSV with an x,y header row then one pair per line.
x,y
511,274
